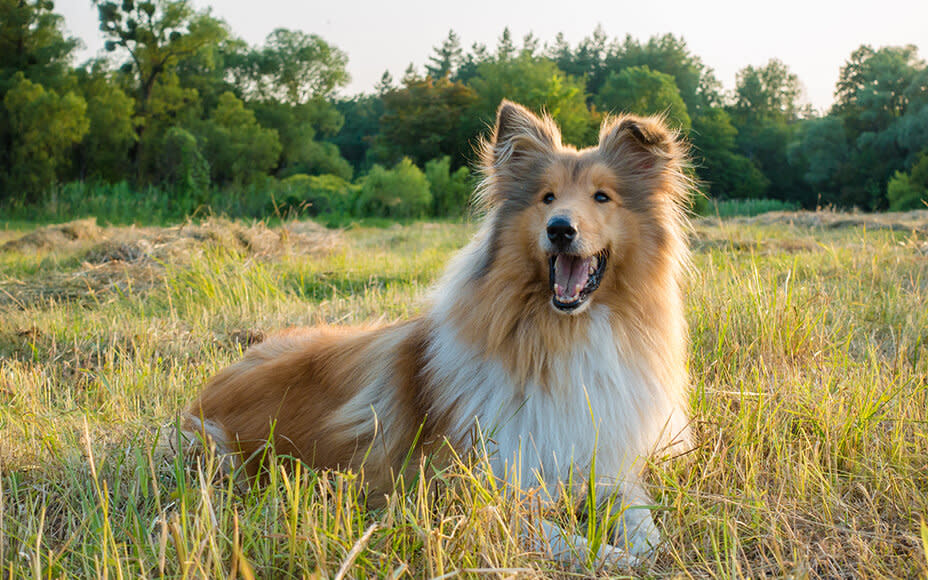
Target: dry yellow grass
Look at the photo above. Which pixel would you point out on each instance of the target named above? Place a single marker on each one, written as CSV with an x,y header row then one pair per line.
x,y
810,403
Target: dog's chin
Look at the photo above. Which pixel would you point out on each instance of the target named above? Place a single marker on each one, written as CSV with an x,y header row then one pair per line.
x,y
571,309
573,279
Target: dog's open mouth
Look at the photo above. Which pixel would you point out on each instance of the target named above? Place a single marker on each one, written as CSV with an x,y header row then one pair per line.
x,y
574,278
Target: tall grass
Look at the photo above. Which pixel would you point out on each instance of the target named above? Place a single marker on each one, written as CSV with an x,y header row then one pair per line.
x,y
747,207
122,203
810,406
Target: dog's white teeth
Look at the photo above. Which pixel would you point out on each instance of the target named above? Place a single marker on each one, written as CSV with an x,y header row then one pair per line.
x,y
577,290
592,270
557,288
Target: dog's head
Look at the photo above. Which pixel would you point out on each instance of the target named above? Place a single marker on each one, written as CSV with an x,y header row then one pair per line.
x,y
579,218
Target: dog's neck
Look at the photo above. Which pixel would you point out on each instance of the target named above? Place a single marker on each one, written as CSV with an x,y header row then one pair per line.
x,y
519,328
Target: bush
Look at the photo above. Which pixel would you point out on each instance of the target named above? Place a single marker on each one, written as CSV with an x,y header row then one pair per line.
x,y
319,159
909,190
315,195
450,191
182,166
401,192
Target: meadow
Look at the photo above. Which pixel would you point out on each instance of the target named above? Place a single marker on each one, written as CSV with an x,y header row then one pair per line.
x,y
809,369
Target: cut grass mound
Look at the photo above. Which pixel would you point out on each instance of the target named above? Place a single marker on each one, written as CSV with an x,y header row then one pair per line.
x,y
915,221
59,236
123,259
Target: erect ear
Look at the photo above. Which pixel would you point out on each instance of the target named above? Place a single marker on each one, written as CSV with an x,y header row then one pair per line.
x,y
518,134
638,144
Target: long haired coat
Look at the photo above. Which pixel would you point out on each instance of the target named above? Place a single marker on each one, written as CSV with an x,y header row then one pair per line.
x,y
557,333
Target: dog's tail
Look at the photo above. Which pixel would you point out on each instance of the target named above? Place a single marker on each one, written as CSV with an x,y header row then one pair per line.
x,y
194,438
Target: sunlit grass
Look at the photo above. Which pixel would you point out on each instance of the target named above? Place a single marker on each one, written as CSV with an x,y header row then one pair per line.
x,y
810,404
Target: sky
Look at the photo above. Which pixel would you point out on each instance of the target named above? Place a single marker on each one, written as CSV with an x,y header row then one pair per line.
x,y
813,38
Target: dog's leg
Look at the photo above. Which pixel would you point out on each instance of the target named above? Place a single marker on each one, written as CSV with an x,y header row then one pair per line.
x,y
559,545
633,537
635,532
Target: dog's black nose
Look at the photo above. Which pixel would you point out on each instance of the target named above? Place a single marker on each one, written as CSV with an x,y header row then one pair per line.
x,y
560,232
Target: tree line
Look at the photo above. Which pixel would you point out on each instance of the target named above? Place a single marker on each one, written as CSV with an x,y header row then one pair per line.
x,y
184,107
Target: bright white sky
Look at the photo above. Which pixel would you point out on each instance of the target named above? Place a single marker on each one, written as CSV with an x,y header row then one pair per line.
x,y
813,37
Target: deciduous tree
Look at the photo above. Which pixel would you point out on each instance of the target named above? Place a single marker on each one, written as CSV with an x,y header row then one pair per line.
x,y
538,84
237,148
642,91
425,119
44,126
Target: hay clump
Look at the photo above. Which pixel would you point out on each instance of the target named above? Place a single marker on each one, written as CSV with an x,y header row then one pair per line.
x,y
57,236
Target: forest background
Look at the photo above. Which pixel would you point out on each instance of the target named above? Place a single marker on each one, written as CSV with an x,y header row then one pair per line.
x,y
182,117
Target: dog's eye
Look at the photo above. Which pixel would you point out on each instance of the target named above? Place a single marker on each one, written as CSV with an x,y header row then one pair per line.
x,y
600,197
548,198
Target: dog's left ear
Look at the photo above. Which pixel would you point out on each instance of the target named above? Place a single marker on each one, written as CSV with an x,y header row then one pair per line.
x,y
641,145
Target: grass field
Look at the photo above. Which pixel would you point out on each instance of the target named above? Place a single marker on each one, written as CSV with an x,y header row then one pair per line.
x,y
810,405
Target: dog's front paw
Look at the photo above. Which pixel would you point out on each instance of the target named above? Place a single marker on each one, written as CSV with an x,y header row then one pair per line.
x,y
556,543
609,556
636,533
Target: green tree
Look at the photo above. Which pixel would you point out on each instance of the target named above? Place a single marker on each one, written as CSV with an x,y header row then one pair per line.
x,y
875,86
450,190
768,94
362,125
32,47
820,150
642,91
237,148
32,43
292,67
563,56
44,127
669,54
910,190
478,55
881,99
208,71
539,85
720,167
182,167
766,112
427,118
104,152
155,36
299,127
401,192
505,47
445,59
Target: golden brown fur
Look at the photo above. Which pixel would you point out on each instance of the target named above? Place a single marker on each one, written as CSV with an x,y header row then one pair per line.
x,y
491,336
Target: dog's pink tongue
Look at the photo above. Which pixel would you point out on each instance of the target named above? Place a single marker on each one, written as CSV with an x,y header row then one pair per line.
x,y
570,276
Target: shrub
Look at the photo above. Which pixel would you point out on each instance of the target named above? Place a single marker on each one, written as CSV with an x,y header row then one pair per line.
x,y
185,170
909,190
450,191
315,194
401,192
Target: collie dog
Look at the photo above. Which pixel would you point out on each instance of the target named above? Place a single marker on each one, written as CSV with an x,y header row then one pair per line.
x,y
557,334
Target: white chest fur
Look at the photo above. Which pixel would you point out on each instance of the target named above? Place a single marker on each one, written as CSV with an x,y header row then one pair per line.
x,y
606,405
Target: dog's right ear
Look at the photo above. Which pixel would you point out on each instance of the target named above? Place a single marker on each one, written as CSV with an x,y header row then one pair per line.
x,y
519,135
